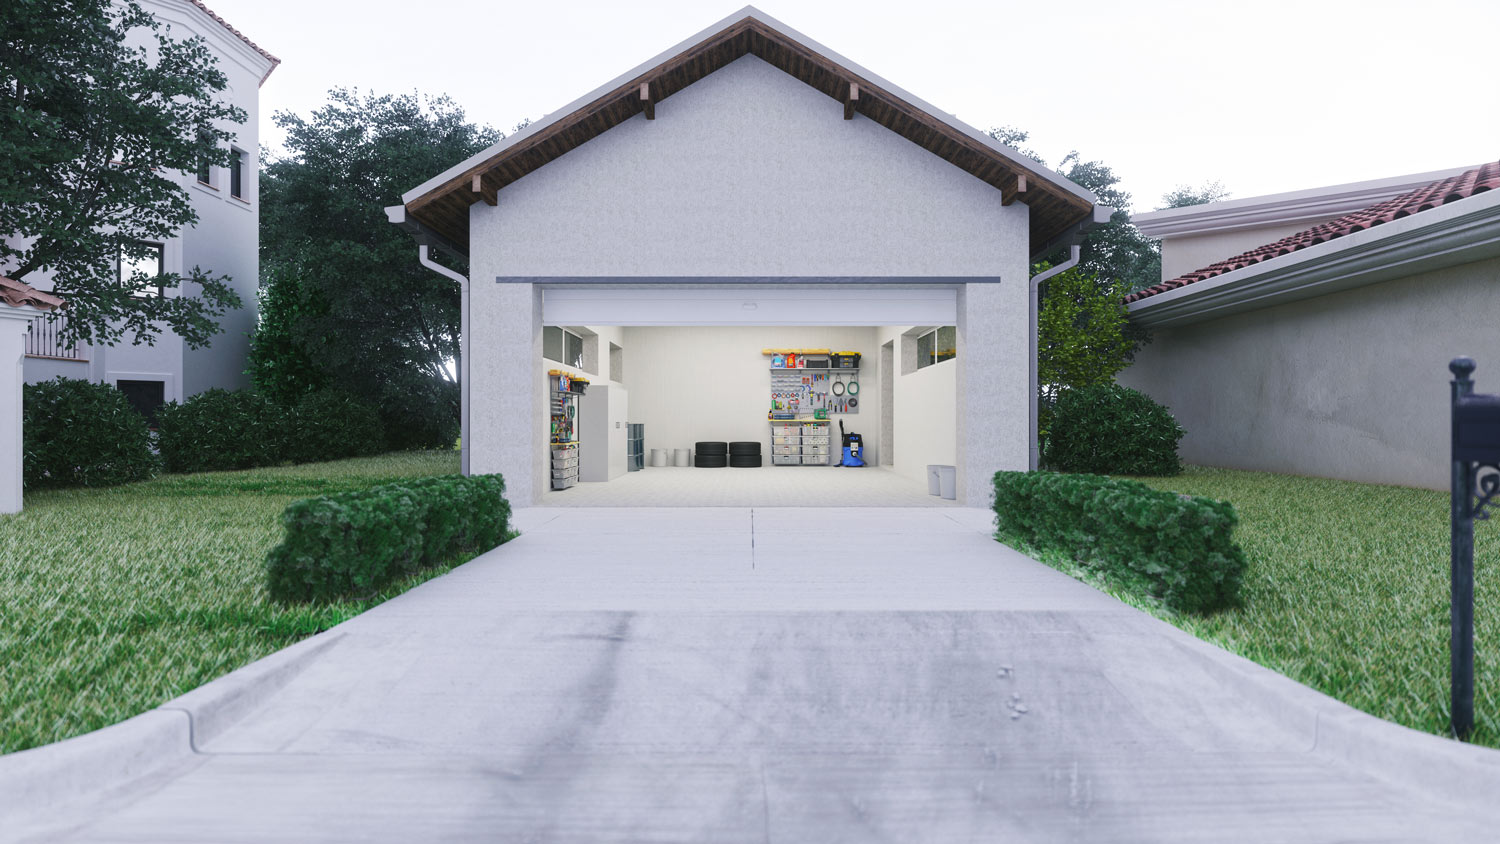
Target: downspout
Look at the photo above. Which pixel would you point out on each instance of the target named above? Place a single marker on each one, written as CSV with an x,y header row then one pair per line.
x,y
463,353
1033,446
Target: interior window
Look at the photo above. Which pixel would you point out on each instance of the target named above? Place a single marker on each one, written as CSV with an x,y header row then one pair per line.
x,y
563,346
937,345
145,396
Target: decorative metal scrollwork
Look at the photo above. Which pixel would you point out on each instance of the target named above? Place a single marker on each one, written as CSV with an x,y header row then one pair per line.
x,y
1485,482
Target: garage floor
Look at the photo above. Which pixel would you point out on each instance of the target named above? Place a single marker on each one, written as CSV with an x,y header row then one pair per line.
x,y
768,486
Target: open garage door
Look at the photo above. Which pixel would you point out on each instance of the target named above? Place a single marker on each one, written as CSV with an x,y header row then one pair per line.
x,y
837,305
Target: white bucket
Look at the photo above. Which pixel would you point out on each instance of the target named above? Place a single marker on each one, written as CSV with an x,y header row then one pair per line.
x,y
658,457
682,457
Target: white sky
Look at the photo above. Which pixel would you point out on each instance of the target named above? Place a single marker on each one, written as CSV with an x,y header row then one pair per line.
x,y
1263,96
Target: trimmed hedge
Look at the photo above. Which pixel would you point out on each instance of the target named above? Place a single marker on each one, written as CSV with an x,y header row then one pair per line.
x,y
82,433
1178,548
331,425
1108,429
218,430
356,542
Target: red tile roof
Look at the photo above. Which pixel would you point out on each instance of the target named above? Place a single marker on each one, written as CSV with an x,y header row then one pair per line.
x,y
19,294
1466,184
256,47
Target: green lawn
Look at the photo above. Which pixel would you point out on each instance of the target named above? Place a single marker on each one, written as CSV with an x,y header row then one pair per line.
x,y
113,601
1347,592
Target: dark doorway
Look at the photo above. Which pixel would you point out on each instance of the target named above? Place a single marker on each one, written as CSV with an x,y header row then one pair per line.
x,y
145,396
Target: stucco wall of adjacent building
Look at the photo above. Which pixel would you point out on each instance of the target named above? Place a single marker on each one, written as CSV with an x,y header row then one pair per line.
x,y
748,172
1183,254
1352,385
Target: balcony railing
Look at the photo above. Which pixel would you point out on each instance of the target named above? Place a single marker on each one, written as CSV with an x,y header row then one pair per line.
x,y
44,340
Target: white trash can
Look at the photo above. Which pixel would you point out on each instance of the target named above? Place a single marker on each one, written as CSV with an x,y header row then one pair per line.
x,y
658,457
682,457
947,481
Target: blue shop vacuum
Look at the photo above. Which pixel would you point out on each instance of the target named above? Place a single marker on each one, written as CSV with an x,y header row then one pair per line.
x,y
854,448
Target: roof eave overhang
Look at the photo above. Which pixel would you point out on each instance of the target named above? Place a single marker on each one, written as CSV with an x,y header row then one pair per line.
x,y
459,178
424,236
1458,233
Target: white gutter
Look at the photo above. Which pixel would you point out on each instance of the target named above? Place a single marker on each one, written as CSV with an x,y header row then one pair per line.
x,y
463,352
1460,232
1033,447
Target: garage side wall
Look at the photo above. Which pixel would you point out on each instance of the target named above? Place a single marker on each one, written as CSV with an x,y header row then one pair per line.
x,y
1353,385
748,172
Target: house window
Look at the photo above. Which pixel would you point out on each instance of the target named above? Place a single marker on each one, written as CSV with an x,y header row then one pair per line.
x,y
205,167
562,346
140,263
936,346
145,396
236,174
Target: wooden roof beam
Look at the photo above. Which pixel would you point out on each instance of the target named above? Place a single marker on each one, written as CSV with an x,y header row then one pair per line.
x,y
1017,188
479,190
647,104
851,100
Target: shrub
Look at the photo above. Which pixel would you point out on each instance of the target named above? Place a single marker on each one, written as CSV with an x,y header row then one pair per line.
x,y
331,425
81,433
1108,429
219,430
1178,548
356,542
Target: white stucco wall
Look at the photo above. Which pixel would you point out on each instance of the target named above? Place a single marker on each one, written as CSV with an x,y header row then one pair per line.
x,y
745,173
1352,385
924,408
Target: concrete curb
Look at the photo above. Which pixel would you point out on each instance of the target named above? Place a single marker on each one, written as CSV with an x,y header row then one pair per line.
x,y
41,779
1440,767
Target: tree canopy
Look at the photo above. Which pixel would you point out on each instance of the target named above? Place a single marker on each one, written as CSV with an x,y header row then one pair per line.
x,y
344,301
95,134
1183,196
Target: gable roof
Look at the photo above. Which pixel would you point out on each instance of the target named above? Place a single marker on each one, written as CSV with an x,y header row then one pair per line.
x,y
1057,205
1468,183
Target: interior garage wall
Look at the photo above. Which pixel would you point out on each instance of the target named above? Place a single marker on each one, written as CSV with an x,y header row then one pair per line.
x,y
924,423
1352,385
689,384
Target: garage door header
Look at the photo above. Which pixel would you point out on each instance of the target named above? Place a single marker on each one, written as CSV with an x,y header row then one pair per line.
x,y
723,304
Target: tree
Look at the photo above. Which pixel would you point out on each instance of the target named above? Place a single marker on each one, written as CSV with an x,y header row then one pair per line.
x,y
1113,252
345,301
1083,336
1183,196
94,135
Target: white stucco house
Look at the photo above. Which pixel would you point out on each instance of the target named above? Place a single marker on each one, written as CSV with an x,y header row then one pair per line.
x,y
1310,332
225,241
744,191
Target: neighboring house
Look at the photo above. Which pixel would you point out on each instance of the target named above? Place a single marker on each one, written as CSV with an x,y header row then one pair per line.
x,y
1325,350
226,241
749,189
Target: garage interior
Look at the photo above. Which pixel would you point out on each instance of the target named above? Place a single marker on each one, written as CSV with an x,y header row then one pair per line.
x,y
634,411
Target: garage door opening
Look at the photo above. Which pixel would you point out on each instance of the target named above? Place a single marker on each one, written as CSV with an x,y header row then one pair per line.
x,y
773,391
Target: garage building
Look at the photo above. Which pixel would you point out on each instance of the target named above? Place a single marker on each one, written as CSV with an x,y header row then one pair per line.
x,y
671,236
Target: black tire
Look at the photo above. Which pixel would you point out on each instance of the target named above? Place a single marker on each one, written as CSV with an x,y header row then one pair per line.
x,y
745,448
715,449
711,461
745,461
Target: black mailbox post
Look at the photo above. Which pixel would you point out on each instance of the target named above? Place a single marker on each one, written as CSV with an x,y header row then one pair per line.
x,y
1476,482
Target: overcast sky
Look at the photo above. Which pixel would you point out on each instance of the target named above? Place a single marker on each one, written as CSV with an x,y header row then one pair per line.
x,y
1262,96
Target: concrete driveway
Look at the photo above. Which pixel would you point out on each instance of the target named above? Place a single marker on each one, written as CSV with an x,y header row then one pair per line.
x,y
765,675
